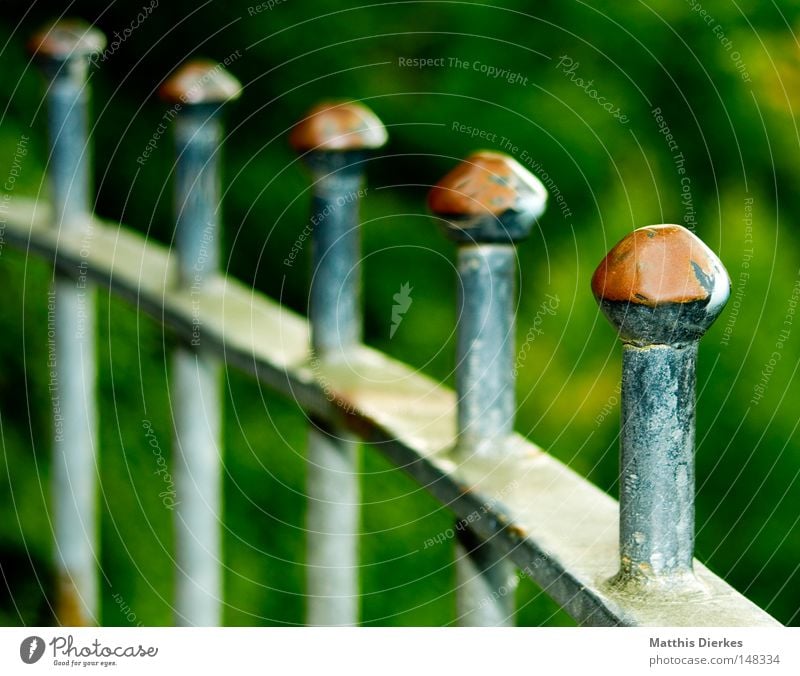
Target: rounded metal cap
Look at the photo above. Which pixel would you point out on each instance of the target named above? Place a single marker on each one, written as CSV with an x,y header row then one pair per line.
x,y
338,126
489,197
661,284
200,81
66,39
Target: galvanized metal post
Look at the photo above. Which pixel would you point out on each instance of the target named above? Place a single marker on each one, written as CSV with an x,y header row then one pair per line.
x,y
63,51
662,288
197,91
334,139
487,204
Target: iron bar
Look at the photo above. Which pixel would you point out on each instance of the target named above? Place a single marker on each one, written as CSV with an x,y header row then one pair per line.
x,y
662,288
63,50
488,203
197,91
334,139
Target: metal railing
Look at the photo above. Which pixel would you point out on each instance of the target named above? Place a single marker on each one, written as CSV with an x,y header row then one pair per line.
x,y
518,508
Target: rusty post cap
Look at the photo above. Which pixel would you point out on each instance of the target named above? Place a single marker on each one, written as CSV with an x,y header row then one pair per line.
x,y
66,39
338,126
661,284
200,81
489,197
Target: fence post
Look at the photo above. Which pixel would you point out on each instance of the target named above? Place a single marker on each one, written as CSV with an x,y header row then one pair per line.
x,y
63,51
487,204
334,139
662,288
197,91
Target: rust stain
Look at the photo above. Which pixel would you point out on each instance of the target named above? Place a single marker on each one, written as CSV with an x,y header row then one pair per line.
x,y
70,612
338,125
200,81
517,531
484,182
357,422
655,265
67,38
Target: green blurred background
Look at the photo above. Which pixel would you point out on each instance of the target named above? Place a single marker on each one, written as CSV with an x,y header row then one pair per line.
x,y
733,122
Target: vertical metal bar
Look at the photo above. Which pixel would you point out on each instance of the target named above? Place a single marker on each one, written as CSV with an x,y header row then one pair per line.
x,y
488,203
63,51
336,325
657,458
196,380
662,288
198,132
335,294
486,409
334,138
197,90
332,521
197,405
487,582
68,169
485,345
